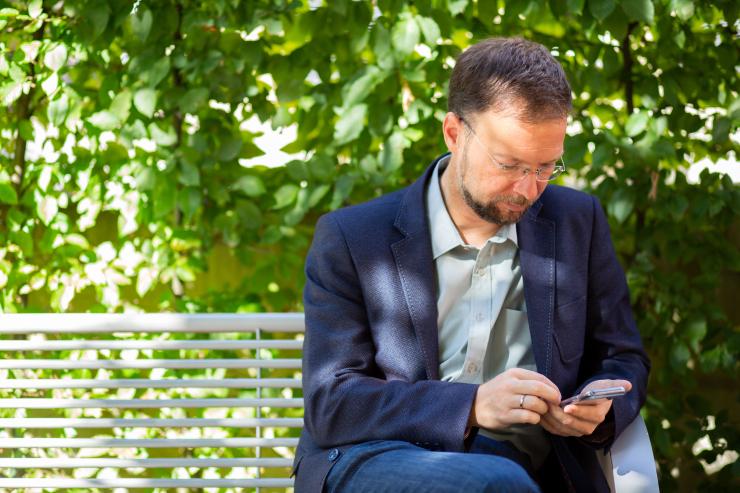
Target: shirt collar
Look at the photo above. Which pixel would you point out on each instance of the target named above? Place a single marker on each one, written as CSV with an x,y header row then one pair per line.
x,y
445,235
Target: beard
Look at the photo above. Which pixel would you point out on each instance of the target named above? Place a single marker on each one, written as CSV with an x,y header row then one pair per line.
x,y
491,211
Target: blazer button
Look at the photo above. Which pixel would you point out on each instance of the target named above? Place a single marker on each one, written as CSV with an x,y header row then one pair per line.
x,y
333,455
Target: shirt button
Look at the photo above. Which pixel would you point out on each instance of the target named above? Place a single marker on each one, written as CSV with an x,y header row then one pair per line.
x,y
479,317
472,368
333,455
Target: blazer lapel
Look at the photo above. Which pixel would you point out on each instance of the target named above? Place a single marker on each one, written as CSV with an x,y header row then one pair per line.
x,y
536,237
413,256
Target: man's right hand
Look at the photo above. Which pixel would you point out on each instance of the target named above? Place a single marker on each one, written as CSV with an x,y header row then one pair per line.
x,y
497,402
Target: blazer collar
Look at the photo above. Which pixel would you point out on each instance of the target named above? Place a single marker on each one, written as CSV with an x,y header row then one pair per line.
x,y
413,256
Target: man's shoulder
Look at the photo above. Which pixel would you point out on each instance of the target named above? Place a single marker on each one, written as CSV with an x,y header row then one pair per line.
x,y
558,200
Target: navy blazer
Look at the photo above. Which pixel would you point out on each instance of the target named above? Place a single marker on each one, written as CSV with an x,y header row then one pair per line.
x,y
370,360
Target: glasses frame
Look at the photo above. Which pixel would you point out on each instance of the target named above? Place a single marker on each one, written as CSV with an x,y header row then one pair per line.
x,y
517,169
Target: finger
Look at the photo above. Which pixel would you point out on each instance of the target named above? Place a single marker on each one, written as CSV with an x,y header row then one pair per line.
x,y
555,427
536,388
603,384
530,403
520,416
592,413
524,374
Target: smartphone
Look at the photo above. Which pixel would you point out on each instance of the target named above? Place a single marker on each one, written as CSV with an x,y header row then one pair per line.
x,y
590,395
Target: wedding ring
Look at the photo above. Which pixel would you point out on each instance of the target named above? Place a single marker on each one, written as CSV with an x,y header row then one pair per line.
x,y
521,401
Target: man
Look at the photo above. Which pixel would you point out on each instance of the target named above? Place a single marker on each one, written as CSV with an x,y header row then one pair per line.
x,y
446,321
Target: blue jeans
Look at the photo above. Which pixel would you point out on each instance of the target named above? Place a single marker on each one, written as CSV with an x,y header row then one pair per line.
x,y
395,466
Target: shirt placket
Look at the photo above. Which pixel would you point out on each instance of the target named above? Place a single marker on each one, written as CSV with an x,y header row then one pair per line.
x,y
491,284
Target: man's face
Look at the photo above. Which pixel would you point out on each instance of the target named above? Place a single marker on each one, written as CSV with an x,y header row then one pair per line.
x,y
494,195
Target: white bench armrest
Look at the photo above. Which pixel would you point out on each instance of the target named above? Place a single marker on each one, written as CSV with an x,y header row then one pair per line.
x,y
630,465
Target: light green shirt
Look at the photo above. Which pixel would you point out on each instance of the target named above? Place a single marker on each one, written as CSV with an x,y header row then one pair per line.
x,y
482,316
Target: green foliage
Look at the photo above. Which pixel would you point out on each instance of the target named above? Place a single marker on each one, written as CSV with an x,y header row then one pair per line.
x,y
122,184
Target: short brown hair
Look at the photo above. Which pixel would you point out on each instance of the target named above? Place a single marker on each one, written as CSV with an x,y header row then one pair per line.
x,y
500,72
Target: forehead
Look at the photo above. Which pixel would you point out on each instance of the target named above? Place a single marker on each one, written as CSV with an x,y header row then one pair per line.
x,y
509,136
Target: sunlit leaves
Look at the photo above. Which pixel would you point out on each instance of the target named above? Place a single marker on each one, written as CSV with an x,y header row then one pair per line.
x,y
56,57
145,101
8,194
351,122
405,35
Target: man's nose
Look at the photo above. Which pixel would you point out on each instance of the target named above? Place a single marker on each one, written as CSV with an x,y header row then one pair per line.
x,y
527,186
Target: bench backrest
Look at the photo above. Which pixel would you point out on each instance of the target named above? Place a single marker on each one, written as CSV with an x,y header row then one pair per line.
x,y
149,401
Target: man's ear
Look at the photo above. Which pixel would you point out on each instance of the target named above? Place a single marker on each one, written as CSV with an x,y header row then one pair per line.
x,y
452,129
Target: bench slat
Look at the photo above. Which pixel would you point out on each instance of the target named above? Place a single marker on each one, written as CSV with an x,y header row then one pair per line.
x,y
151,322
42,403
71,463
147,442
145,483
114,364
145,383
70,345
38,423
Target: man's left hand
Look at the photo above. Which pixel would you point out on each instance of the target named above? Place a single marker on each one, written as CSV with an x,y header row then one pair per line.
x,y
581,418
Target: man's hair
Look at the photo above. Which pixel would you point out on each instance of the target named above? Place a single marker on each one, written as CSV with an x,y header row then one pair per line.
x,y
509,73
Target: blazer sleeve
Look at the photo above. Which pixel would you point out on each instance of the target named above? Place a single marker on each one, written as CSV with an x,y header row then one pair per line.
x,y
347,397
613,344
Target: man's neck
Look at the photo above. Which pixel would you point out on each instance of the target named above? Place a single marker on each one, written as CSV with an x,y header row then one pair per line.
x,y
473,230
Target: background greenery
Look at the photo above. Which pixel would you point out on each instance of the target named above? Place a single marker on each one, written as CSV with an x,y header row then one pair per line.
x,y
124,138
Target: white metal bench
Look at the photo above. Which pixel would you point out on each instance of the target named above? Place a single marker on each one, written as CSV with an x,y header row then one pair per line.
x,y
221,431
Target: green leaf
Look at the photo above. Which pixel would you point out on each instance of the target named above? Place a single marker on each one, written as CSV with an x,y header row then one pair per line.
x,y
23,240
229,148
360,88
684,9
601,9
194,99
50,84
405,35
98,14
120,107
317,194
285,195
620,205
456,6
637,123
34,8
10,92
57,109
430,29
391,157
145,101
47,209
165,138
350,124
55,58
249,185
104,120
639,10
141,24
382,47
164,198
575,6
7,194
322,167
721,129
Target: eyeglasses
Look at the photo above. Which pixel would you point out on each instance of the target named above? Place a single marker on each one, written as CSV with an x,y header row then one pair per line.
x,y
516,172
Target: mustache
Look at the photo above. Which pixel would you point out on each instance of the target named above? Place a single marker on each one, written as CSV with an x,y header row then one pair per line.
x,y
512,199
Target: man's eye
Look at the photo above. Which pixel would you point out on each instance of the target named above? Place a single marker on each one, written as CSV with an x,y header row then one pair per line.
x,y
509,167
